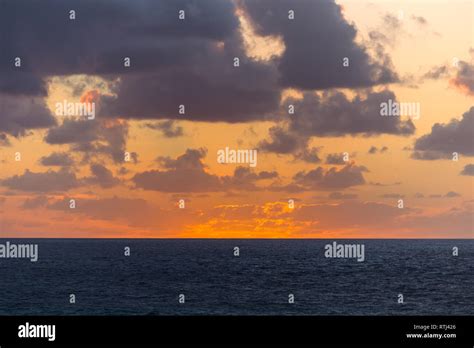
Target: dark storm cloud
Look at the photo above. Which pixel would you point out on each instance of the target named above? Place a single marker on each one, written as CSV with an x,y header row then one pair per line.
x,y
284,142
468,170
446,138
19,114
92,137
183,62
437,72
333,114
302,64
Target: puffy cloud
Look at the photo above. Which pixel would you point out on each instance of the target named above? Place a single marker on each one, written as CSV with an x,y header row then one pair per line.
x,y
36,202
335,159
102,176
302,65
57,159
187,173
392,195
168,128
210,89
20,114
461,73
143,217
100,43
468,170
184,62
92,137
446,138
282,142
340,195
437,72
374,150
50,181
464,78
349,214
349,175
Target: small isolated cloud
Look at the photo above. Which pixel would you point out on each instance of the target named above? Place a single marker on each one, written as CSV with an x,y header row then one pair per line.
x,y
464,78
92,138
334,114
50,181
374,150
188,173
168,128
57,159
348,176
335,159
468,170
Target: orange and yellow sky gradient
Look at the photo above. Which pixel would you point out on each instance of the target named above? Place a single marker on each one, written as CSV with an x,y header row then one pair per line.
x,y
420,52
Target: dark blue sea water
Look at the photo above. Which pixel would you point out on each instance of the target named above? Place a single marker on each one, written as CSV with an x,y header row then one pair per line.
x,y
214,281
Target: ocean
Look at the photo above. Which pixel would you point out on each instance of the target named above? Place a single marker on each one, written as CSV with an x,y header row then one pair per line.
x,y
257,282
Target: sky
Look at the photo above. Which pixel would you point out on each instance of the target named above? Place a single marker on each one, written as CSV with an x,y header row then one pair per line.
x,y
175,82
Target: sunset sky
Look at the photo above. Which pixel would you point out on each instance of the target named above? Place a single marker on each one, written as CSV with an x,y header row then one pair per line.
x,y
405,51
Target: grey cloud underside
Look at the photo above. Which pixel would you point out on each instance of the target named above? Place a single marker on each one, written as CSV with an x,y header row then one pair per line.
x,y
334,114
446,138
49,181
57,159
92,138
186,62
